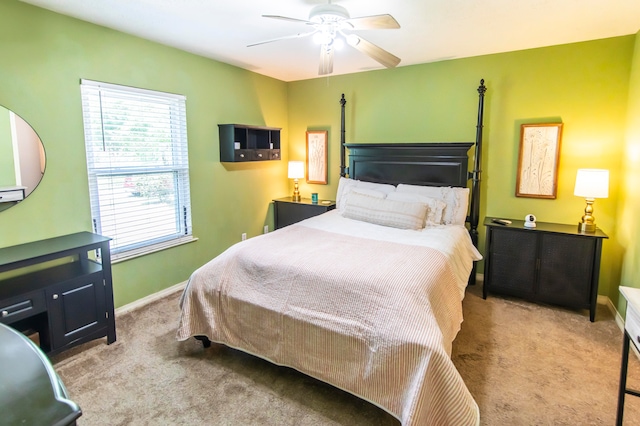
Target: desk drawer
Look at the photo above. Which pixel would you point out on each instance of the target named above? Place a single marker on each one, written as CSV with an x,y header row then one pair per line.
x,y
23,306
632,325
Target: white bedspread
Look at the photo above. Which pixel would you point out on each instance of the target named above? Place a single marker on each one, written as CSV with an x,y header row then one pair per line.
x,y
452,240
337,300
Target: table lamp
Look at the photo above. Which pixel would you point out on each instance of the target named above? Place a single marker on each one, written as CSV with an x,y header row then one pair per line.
x,y
591,184
296,171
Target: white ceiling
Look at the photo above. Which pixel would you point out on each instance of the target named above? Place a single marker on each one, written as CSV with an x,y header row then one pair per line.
x,y
431,30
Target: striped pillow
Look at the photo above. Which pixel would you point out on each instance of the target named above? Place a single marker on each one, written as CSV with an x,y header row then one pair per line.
x,y
396,214
435,207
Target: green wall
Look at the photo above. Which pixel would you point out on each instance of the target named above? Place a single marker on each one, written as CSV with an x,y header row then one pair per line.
x,y
592,87
44,56
629,206
583,85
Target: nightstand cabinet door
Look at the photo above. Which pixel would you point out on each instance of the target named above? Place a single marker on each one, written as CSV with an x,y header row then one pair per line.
x,y
512,257
566,268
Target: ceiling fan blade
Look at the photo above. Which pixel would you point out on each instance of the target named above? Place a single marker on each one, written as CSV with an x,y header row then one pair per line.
x,y
326,60
285,18
375,22
283,38
385,58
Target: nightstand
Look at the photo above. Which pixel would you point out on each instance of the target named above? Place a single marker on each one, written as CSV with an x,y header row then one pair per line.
x,y
551,263
287,212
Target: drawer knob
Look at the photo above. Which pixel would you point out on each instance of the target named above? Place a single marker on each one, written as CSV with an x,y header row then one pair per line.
x,y
241,155
5,313
260,155
55,297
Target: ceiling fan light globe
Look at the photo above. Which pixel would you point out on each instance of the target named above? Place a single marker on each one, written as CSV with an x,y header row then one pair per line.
x,y
338,43
352,39
322,37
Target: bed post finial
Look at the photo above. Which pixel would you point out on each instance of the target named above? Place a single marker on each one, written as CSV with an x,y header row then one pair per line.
x,y
482,88
343,102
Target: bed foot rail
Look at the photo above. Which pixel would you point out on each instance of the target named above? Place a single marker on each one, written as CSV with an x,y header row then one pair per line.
x,y
205,341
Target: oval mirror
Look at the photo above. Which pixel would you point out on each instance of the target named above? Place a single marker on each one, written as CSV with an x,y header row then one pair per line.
x,y
22,159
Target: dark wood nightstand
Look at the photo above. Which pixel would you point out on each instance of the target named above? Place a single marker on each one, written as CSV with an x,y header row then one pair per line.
x,y
551,263
287,212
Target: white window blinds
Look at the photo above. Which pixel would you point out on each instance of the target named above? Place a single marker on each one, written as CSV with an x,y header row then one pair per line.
x,y
137,159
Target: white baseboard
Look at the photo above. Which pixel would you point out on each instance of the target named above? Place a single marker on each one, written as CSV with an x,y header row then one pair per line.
x,y
136,304
604,300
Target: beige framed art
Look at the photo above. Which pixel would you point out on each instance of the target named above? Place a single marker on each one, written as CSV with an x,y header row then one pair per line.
x,y
538,160
317,156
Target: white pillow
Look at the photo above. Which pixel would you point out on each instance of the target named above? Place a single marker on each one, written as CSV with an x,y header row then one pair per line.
x,y
396,214
457,200
435,207
346,185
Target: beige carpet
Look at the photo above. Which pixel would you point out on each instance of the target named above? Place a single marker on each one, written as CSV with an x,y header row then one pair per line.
x,y
525,365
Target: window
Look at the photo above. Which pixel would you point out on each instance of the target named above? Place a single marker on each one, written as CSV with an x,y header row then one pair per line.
x,y
136,142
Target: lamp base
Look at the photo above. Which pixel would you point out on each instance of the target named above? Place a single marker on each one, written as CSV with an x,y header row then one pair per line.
x,y
586,227
296,191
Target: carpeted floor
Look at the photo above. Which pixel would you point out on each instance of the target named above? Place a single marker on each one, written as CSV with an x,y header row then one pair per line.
x,y
525,364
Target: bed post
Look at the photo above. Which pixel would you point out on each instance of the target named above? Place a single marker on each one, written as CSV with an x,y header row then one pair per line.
x,y
343,102
474,175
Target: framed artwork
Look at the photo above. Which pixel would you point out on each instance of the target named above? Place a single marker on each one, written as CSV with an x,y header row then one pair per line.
x,y
538,160
317,156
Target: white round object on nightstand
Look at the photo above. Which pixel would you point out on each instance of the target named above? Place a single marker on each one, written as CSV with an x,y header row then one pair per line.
x,y
530,221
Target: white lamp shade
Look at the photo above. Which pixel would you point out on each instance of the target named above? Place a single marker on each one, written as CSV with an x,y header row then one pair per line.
x,y
296,169
592,183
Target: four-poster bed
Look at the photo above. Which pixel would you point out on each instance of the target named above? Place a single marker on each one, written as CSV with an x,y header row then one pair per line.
x,y
366,297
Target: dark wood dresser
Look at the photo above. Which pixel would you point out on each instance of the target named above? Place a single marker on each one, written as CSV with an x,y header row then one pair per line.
x,y
551,263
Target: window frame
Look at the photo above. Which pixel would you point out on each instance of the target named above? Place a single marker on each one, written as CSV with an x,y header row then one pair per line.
x,y
175,172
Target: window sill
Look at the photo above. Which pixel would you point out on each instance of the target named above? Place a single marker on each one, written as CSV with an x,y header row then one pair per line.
x,y
132,254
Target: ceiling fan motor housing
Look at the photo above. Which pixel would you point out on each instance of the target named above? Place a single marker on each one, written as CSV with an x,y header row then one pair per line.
x,y
328,13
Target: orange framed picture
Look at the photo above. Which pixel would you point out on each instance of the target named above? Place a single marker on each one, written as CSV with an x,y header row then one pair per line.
x,y
317,156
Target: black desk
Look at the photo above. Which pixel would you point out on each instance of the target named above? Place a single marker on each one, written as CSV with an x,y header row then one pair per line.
x,y
31,392
67,299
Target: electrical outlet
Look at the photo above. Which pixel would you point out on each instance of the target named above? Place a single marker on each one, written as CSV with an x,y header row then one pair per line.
x,y
244,236
266,229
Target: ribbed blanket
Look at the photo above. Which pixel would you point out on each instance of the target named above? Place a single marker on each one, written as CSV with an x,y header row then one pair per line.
x,y
374,318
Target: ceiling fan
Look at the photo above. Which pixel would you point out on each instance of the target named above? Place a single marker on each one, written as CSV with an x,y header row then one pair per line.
x,y
329,22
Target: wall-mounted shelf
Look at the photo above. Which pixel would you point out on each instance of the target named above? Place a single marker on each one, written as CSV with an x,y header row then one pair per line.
x,y
239,142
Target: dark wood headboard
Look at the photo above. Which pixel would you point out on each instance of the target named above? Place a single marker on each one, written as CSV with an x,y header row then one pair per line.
x,y
433,164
